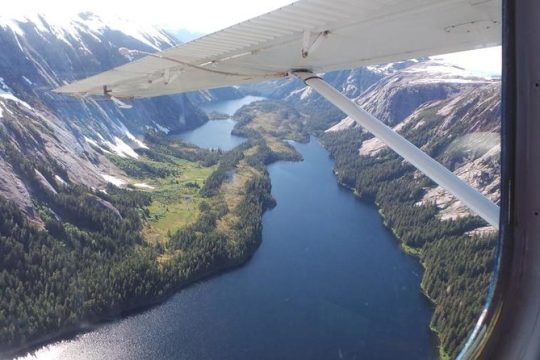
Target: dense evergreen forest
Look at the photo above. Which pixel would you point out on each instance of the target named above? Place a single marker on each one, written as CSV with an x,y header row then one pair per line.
x,y
457,265
85,258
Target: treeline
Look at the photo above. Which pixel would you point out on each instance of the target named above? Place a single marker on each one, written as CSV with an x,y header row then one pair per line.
x,y
225,169
457,266
165,149
144,169
201,249
87,259
280,120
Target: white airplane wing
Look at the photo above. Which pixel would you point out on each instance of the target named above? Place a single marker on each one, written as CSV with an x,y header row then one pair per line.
x,y
315,35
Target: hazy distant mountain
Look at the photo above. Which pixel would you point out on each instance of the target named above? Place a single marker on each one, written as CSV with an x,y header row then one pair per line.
x,y
184,35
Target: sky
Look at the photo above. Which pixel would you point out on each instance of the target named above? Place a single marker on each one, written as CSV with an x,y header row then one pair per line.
x,y
206,16
201,16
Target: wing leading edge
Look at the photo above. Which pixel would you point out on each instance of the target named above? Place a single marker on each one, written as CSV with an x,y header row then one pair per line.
x,y
315,35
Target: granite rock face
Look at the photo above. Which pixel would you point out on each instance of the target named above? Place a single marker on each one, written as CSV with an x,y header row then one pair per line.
x,y
39,54
454,115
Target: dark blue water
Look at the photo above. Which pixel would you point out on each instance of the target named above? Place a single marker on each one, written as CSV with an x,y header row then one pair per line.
x,y
328,282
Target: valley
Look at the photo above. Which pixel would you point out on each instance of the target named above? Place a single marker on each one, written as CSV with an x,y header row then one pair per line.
x,y
105,212
326,282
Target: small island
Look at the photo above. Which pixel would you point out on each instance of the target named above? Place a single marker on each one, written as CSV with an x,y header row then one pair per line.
x,y
216,115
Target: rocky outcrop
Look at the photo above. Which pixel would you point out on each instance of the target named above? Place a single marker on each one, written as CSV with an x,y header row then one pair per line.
x,y
75,135
450,114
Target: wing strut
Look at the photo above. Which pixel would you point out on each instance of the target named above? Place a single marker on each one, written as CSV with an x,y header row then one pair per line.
x,y
422,161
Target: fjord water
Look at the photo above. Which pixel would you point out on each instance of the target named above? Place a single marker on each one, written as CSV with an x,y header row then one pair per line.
x,y
229,107
217,133
328,282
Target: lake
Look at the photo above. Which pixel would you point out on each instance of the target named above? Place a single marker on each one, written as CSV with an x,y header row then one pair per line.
x,y
229,107
328,282
212,135
217,133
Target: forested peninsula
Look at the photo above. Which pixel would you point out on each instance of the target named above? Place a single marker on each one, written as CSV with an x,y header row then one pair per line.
x,y
186,214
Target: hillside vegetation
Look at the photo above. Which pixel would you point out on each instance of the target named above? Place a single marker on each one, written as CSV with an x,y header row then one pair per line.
x,y
98,254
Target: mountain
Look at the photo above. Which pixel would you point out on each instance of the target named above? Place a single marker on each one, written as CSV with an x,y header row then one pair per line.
x,y
75,249
185,35
39,54
455,117
57,155
441,104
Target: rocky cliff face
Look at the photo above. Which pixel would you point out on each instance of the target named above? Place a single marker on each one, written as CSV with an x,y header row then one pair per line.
x,y
74,135
450,114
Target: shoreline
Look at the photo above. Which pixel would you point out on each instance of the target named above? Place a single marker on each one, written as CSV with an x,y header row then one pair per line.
x,y
443,355
234,264
141,306
90,325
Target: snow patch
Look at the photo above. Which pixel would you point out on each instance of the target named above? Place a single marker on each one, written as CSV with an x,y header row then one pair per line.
x,y
60,180
27,80
143,186
121,148
439,72
5,93
114,180
90,141
96,145
162,128
131,137
304,93
135,140
11,24
384,69
45,182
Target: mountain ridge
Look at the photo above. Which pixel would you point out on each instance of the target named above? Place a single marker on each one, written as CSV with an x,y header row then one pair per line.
x,y
40,54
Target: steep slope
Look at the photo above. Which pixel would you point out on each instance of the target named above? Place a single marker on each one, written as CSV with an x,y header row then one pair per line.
x,y
454,117
39,55
76,135
448,112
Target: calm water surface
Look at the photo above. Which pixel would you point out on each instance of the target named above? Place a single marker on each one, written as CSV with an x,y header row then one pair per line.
x,y
229,107
217,133
328,282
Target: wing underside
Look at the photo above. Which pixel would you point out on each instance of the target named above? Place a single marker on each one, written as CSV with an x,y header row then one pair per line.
x,y
315,35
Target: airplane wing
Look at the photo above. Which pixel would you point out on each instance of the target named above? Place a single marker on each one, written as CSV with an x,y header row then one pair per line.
x,y
314,35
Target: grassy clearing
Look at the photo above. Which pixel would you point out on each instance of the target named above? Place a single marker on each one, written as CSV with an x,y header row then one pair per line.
x,y
232,191
175,200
